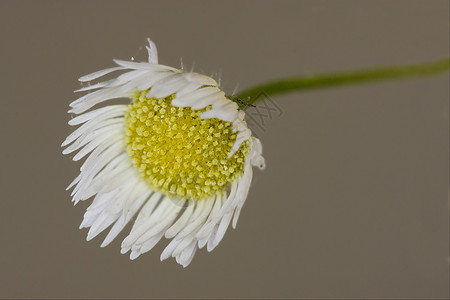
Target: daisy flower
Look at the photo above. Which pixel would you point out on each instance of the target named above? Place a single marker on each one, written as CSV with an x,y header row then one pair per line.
x,y
176,160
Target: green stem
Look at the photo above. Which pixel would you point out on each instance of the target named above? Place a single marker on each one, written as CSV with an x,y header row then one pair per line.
x,y
294,84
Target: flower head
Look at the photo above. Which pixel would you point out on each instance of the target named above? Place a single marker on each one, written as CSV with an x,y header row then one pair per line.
x,y
179,158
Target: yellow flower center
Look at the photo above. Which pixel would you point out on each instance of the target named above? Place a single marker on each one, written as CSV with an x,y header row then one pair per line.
x,y
178,153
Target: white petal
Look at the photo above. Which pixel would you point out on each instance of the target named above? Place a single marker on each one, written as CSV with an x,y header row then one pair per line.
x,y
157,216
167,220
169,249
212,219
98,74
167,86
111,111
124,219
210,245
200,79
180,223
149,244
224,223
192,99
204,212
94,86
187,252
152,52
143,66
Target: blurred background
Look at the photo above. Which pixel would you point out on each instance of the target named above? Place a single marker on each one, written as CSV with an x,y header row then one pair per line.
x,y
353,202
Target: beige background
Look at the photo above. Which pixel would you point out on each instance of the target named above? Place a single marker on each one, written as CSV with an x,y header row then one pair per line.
x,y
353,202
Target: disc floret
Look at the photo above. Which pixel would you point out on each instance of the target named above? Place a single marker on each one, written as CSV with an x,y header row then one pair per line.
x,y
178,153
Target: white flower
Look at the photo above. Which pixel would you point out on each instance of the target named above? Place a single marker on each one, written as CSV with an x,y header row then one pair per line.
x,y
179,156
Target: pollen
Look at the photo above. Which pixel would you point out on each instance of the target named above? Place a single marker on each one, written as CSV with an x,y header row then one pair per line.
x,y
178,153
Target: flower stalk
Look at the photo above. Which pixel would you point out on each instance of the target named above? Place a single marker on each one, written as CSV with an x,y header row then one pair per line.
x,y
326,80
